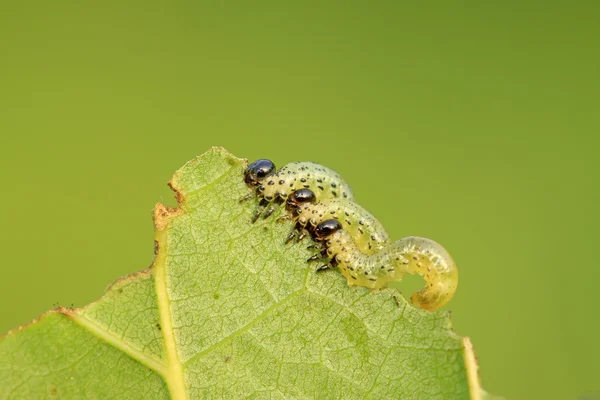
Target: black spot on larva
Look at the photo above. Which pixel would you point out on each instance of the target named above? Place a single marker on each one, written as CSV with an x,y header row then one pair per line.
x,y
333,185
361,222
302,179
270,183
334,194
321,187
281,181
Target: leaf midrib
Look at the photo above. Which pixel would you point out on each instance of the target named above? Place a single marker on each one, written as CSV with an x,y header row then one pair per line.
x,y
174,372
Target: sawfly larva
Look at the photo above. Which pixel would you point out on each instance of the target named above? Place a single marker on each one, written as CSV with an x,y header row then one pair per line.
x,y
367,232
275,186
414,255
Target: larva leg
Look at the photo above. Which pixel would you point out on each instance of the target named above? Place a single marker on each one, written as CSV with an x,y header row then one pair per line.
x,y
246,197
316,257
322,255
291,236
299,234
262,205
324,267
302,235
257,215
269,212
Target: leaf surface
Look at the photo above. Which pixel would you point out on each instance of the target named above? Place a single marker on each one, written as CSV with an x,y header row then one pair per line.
x,y
229,311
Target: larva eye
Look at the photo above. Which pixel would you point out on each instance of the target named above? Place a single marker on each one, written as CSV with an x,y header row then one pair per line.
x,y
259,170
300,197
327,228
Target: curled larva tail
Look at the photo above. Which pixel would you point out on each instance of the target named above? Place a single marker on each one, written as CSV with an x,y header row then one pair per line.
x,y
429,259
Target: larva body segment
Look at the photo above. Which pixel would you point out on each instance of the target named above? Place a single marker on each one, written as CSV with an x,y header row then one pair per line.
x,y
414,255
366,231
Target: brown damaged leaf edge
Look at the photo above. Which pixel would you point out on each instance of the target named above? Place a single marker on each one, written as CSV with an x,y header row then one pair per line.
x,y
178,195
163,214
60,310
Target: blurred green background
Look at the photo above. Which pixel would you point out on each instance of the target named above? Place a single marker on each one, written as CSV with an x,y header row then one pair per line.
x,y
473,123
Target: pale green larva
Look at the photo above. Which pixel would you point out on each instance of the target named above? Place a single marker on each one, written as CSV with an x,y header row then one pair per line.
x,y
367,232
275,186
412,254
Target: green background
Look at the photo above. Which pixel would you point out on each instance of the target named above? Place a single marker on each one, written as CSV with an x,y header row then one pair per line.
x,y
473,123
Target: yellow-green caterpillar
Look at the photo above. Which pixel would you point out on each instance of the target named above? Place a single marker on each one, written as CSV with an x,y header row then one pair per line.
x,y
275,186
414,255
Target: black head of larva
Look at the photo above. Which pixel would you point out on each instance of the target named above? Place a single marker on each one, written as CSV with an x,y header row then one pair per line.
x,y
258,171
299,197
327,228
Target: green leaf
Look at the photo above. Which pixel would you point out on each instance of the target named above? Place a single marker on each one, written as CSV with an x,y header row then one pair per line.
x,y
229,311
